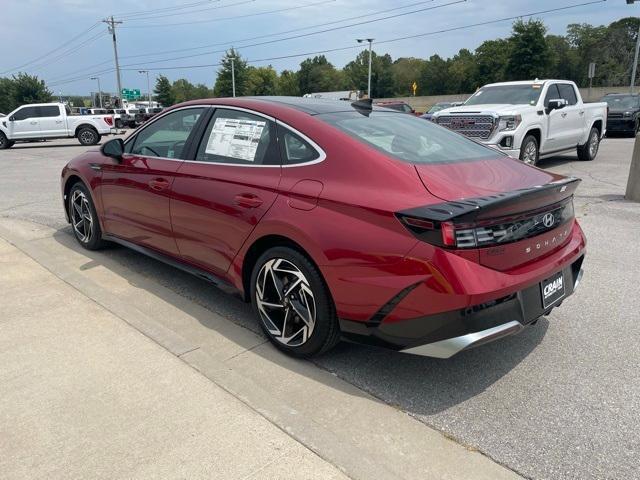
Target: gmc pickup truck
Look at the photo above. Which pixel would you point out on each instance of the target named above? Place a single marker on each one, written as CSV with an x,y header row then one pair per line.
x,y
52,120
530,120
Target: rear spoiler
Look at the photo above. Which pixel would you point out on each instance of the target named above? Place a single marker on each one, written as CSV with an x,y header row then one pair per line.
x,y
498,205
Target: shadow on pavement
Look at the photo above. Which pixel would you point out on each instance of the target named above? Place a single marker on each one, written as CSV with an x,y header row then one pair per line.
x,y
420,385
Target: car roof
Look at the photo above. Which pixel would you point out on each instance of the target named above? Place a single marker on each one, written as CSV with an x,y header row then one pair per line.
x,y
311,106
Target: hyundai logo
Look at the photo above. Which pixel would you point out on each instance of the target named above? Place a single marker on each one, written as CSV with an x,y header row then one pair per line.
x,y
548,220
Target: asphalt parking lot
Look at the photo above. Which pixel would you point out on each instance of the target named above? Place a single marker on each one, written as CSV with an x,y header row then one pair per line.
x,y
560,400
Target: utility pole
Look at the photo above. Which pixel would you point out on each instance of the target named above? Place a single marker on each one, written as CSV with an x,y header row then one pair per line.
x,y
148,86
233,75
99,90
633,182
112,30
370,40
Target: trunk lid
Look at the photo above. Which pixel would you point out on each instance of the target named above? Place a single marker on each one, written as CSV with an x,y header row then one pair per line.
x,y
506,201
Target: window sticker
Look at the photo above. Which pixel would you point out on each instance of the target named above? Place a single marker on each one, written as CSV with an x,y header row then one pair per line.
x,y
235,138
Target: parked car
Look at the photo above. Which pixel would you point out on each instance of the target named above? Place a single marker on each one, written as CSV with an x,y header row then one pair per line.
x,y
530,120
149,113
436,108
120,117
382,228
52,120
403,107
624,113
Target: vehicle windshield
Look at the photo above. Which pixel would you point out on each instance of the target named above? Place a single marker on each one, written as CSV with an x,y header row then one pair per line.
x,y
622,102
439,106
408,138
509,94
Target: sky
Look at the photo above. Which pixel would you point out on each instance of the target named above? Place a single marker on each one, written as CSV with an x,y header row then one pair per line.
x,y
65,43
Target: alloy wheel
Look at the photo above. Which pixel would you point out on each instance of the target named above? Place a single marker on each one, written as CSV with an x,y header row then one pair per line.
x,y
285,302
593,144
530,154
81,217
87,137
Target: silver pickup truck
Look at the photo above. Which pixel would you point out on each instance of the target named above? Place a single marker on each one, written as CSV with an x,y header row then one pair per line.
x,y
52,120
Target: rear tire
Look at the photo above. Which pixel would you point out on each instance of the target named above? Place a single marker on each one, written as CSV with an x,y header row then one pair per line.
x,y
529,150
84,219
5,142
119,124
292,303
589,150
88,136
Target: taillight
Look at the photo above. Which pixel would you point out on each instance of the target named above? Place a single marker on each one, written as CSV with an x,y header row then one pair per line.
x,y
487,233
109,121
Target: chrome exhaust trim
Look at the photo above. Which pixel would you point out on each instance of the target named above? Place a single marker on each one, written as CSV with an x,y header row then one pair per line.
x,y
578,279
449,347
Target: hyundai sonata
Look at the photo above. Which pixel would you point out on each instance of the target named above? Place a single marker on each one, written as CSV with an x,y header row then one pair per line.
x,y
337,220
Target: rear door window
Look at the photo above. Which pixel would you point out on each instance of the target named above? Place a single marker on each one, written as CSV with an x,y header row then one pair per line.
x,y
237,137
49,111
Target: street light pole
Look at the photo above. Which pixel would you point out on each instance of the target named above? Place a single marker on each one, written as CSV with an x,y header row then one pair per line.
x,y
635,62
148,86
99,90
370,40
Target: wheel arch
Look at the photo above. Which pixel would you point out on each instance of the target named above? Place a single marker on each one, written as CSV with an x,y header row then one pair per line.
x,y
71,179
536,131
85,125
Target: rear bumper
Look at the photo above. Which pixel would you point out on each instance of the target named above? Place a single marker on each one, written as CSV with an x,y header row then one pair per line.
x,y
445,334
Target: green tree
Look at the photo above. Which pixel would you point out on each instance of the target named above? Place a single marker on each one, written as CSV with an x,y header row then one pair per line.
x,y
28,89
224,84
318,75
261,81
356,74
529,52
491,60
6,96
434,79
288,83
405,71
77,101
182,90
562,61
463,71
201,91
162,92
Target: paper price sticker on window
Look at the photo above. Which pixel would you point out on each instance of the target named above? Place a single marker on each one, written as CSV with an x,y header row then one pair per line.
x,y
235,138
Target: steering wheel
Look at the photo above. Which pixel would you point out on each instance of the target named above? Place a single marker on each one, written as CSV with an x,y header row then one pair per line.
x,y
143,147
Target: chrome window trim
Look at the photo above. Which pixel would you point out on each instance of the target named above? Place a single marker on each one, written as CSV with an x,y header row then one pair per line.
x,y
316,147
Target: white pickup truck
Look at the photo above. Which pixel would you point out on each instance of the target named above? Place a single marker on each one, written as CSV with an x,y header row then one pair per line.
x,y
530,120
52,120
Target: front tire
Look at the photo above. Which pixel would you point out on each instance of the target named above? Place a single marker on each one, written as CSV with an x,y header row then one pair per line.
x,y
529,150
589,150
84,219
88,136
293,304
5,142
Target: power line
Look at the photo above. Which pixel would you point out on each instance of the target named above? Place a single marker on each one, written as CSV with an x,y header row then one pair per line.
x,y
124,15
221,19
293,37
52,51
188,13
235,42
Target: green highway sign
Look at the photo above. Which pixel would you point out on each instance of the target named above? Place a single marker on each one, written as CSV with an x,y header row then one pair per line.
x,y
133,94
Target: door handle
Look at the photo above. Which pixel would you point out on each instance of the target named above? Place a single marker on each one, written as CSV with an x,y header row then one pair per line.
x,y
159,184
563,114
58,121
247,200
581,112
33,123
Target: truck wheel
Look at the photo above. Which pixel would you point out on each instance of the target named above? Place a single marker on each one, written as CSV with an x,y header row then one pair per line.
x,y
529,152
5,142
119,124
88,136
589,150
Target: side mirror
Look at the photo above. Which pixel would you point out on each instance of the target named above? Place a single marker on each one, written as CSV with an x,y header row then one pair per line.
x,y
557,104
12,118
113,148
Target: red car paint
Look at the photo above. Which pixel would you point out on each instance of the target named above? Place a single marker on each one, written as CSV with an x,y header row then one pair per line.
x,y
341,212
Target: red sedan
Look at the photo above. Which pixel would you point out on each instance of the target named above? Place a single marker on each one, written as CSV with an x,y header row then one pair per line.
x,y
337,221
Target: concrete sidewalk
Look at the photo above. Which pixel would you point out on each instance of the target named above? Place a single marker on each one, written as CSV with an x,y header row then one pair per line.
x,y
105,373
84,395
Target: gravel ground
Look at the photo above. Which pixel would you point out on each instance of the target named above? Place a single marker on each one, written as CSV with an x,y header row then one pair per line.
x,y
559,400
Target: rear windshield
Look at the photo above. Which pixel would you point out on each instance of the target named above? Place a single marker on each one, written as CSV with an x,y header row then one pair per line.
x,y
408,138
507,94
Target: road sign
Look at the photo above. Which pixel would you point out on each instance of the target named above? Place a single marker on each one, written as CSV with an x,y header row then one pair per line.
x,y
130,94
592,70
414,87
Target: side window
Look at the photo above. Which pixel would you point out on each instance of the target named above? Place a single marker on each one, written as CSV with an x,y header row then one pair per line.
x,y
239,138
24,113
568,93
294,149
407,108
49,111
552,94
167,136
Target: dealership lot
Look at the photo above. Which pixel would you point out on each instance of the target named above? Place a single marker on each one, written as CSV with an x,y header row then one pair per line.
x,y
556,401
